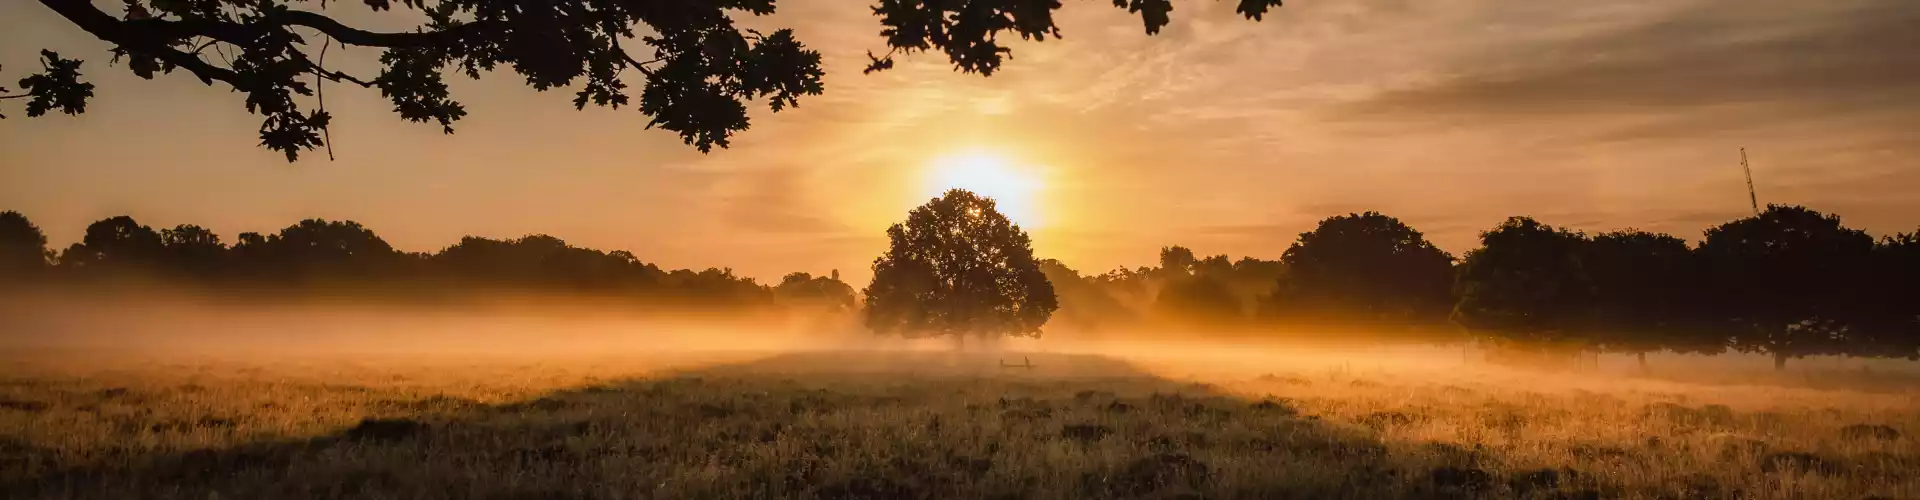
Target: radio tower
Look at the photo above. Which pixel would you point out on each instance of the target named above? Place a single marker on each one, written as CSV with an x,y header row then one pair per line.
x,y
1751,198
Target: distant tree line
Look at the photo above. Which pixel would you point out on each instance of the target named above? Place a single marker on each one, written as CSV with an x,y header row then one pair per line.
x,y
1789,282
322,255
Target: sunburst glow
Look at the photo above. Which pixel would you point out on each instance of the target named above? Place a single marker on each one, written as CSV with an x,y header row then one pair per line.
x,y
1014,188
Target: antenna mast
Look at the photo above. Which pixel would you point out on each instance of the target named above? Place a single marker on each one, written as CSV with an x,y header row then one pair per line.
x,y
1751,198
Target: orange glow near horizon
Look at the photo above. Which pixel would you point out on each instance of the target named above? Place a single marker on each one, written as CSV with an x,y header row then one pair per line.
x,y
1015,188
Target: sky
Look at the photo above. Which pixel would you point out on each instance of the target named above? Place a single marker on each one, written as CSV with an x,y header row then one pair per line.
x,y
1220,134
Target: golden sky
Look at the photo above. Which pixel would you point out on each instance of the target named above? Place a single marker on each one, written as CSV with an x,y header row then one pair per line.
x,y
1224,135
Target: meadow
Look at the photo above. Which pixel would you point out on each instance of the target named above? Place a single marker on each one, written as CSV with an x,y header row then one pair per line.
x,y
886,421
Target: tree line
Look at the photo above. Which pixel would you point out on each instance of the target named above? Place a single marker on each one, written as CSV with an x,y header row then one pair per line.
x,y
317,255
1788,282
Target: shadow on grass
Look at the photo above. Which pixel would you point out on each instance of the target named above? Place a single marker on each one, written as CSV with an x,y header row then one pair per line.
x,y
838,425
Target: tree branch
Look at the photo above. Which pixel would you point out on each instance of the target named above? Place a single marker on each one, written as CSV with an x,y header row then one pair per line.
x,y
336,75
4,97
100,24
631,62
83,14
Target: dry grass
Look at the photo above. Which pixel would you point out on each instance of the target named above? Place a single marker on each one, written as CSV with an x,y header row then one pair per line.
x,y
921,425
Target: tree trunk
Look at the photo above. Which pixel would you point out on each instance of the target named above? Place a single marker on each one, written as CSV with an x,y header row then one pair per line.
x,y
1779,362
1643,361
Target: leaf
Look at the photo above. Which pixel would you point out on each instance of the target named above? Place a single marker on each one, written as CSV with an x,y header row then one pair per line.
x,y
57,87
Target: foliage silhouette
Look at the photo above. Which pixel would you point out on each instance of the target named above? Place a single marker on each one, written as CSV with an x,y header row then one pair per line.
x,y
321,256
958,267
824,291
193,251
114,244
23,248
1525,283
1788,279
1790,282
1894,297
702,72
1646,294
1365,267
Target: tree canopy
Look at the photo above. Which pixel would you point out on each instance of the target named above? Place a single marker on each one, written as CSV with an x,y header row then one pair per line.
x,y
697,68
23,248
1364,267
1525,282
1788,278
324,257
958,267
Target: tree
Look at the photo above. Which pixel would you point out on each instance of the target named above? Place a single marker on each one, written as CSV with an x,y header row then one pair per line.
x,y
1895,285
1645,295
1789,280
540,261
821,291
1367,268
958,267
23,248
193,250
317,249
702,71
1177,262
1525,284
114,244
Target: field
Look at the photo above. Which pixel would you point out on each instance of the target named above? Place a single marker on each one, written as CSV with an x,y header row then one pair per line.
x,y
878,422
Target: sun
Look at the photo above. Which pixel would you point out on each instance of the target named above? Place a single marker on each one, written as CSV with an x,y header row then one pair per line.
x,y
1014,189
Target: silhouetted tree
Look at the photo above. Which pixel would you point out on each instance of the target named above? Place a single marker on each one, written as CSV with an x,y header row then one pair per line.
x,y
114,244
23,248
809,290
1645,295
1367,268
543,262
193,250
1894,321
317,250
958,267
716,286
701,71
1524,284
1177,262
1789,280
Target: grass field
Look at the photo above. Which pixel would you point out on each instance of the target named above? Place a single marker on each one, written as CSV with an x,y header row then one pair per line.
x,y
921,424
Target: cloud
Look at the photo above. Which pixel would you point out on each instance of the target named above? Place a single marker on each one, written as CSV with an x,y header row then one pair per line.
x,y
775,201
1849,57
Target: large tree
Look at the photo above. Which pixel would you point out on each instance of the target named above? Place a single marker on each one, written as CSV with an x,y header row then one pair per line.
x,y
1365,267
23,248
117,244
1525,284
1789,281
957,267
1646,288
701,71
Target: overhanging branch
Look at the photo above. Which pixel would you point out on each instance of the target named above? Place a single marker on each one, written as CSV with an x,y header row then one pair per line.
x,y
100,24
